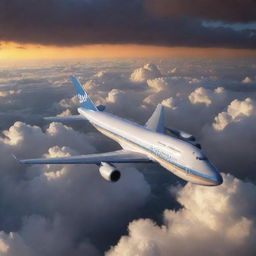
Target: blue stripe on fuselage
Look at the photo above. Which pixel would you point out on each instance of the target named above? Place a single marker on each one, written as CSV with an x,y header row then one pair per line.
x,y
162,156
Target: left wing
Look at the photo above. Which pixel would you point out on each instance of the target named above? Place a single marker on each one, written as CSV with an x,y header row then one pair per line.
x,y
120,156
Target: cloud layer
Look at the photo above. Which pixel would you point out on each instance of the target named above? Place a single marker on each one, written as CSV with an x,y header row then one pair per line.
x,y
218,221
75,212
228,11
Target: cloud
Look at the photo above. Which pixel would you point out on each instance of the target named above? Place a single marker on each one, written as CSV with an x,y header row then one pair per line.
x,y
54,210
236,112
201,95
158,84
169,103
228,11
28,242
8,93
219,220
99,22
149,71
247,80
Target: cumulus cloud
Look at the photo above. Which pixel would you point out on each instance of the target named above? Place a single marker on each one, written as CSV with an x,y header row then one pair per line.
x,y
106,80
169,103
236,112
148,71
54,209
158,84
8,93
247,80
220,220
69,103
35,229
200,96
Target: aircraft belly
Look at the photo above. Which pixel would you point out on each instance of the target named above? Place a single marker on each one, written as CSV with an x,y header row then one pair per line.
x,y
181,173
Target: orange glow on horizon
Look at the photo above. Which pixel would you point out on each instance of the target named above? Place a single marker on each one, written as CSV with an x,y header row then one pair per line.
x,y
14,51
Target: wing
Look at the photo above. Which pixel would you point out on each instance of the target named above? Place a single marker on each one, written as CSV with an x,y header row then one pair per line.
x,y
156,121
65,118
120,156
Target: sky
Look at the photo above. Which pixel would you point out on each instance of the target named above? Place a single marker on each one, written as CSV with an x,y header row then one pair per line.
x,y
114,28
197,60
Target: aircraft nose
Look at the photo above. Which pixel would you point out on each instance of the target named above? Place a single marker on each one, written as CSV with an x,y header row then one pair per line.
x,y
214,175
218,179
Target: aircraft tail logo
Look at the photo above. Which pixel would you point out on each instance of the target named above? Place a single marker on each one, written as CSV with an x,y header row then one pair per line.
x,y
82,98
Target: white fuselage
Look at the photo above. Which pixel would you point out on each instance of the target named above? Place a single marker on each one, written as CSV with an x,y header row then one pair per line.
x,y
178,156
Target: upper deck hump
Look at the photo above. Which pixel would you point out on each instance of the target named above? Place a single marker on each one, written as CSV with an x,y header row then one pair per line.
x,y
133,131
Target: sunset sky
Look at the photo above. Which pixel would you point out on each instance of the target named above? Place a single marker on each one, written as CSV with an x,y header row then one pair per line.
x,y
94,28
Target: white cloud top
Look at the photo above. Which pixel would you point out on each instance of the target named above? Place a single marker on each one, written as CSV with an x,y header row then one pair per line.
x,y
218,220
236,112
200,95
149,71
247,80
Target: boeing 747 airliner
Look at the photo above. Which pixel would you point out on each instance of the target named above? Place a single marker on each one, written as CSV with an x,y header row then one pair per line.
x,y
175,150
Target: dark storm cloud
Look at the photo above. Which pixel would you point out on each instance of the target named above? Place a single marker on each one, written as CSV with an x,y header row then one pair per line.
x,y
74,22
227,10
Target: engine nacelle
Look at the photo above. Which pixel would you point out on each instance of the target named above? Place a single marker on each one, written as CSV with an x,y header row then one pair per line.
x,y
109,172
187,136
181,134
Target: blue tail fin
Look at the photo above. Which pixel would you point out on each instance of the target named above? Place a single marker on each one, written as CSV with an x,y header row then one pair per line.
x,y
83,98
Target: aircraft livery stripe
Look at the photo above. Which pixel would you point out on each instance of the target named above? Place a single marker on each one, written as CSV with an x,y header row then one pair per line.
x,y
190,172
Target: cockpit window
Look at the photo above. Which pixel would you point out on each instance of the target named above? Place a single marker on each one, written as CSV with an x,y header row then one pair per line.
x,y
201,158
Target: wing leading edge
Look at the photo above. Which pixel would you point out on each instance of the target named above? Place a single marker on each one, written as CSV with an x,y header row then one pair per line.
x,y
120,156
64,118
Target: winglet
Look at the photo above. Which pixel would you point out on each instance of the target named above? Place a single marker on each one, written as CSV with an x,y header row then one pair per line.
x,y
15,158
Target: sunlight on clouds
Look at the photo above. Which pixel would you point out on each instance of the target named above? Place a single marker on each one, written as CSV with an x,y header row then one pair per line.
x,y
213,219
15,51
236,111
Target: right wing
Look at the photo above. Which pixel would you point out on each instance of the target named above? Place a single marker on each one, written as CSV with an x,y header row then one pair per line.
x,y
120,156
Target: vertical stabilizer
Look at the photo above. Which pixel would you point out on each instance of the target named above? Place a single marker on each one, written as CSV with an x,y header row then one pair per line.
x,y
156,121
83,98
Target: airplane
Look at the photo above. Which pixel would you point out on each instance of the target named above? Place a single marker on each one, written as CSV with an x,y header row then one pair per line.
x,y
175,150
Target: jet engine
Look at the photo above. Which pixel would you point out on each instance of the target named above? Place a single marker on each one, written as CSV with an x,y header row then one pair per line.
x,y
187,136
109,172
181,134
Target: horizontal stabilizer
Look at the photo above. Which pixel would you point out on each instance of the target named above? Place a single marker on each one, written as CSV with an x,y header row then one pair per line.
x,y
101,107
65,118
120,156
